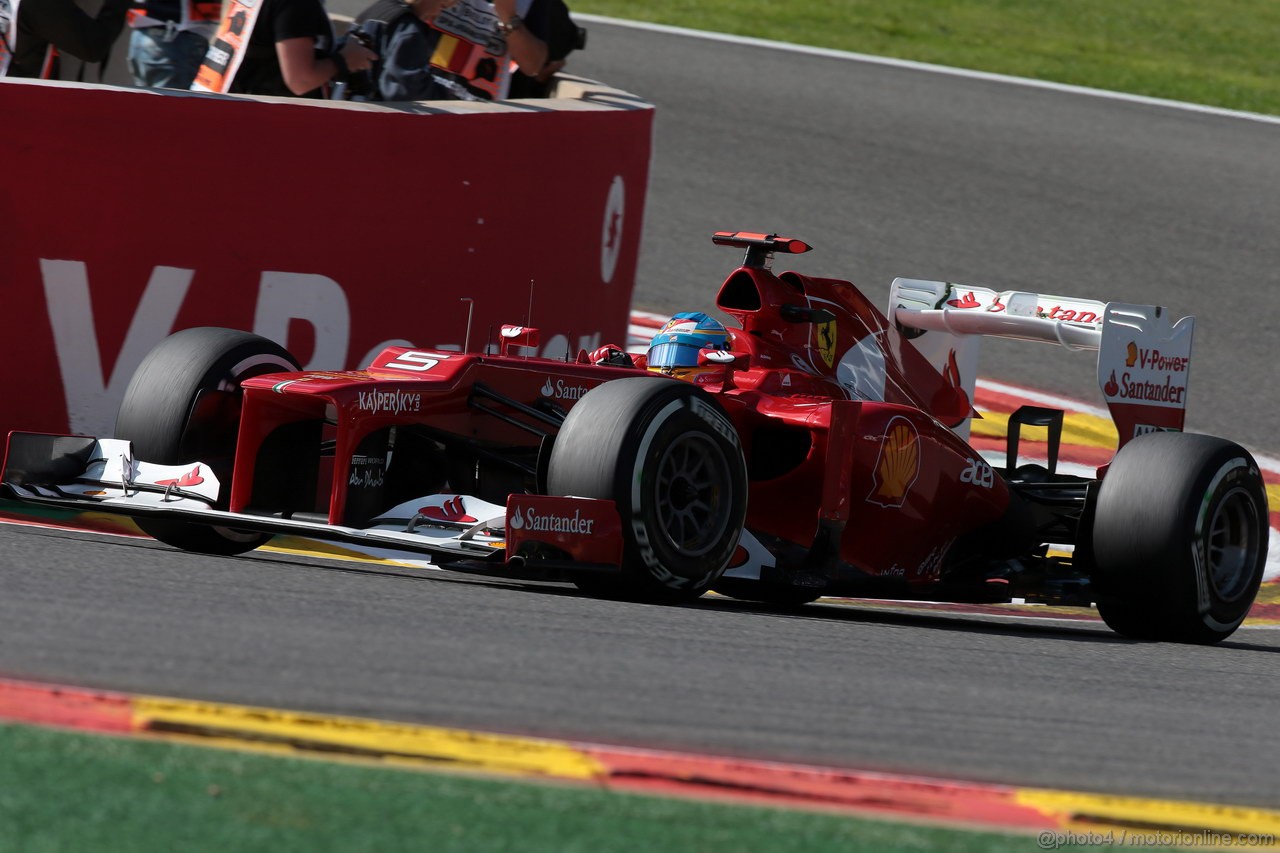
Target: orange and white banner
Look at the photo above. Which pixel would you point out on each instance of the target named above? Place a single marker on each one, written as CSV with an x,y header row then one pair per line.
x,y
227,47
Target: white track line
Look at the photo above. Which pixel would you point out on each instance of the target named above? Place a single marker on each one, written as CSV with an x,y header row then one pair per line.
x,y
927,67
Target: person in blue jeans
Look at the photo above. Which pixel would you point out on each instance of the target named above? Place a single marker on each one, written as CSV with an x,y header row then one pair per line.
x,y
169,39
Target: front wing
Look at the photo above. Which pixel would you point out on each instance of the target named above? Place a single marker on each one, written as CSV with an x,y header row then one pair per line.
x,y
458,532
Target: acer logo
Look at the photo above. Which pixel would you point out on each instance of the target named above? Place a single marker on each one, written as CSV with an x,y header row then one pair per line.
x,y
979,473
536,522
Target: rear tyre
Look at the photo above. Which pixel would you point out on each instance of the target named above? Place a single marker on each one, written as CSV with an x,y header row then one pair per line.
x,y
183,405
667,455
1179,538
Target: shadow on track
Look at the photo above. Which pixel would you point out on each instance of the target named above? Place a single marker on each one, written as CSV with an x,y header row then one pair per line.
x,y
866,612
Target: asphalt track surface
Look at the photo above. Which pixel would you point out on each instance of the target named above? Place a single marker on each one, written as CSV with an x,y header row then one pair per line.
x,y
888,172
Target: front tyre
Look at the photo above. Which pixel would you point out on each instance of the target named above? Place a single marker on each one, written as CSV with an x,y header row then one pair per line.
x,y
1179,538
667,455
183,405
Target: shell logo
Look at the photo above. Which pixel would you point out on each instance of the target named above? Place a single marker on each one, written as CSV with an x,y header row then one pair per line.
x,y
898,466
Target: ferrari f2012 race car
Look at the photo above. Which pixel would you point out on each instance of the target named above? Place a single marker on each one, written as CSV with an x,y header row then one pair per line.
x,y
818,449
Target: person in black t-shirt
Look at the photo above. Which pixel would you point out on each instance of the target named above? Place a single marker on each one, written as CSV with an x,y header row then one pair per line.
x,y
291,52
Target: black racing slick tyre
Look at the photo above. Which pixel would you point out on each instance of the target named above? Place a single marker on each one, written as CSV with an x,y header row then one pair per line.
x,y
1179,538
666,454
183,405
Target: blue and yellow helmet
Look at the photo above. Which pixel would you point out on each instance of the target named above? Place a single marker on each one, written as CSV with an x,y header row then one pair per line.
x,y
674,350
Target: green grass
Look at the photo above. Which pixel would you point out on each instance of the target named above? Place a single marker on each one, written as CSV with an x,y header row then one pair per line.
x,y
1218,52
62,791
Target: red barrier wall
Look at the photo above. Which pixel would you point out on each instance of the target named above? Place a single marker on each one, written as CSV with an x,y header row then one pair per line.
x,y
332,228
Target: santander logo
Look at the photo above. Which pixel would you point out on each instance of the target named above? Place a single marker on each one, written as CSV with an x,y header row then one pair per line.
x,y
537,522
191,478
561,390
451,510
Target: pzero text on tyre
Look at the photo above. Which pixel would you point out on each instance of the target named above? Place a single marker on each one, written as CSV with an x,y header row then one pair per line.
x,y
183,405
1179,538
666,453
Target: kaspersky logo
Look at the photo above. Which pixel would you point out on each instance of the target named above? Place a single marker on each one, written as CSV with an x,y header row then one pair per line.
x,y
898,466
391,402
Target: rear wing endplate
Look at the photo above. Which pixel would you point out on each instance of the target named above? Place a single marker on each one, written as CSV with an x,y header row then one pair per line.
x,y
1144,358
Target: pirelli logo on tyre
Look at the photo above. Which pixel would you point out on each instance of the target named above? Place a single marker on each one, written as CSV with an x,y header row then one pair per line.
x,y
717,421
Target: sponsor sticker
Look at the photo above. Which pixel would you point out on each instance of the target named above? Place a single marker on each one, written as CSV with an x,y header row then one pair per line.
x,y
561,390
367,472
1052,308
978,473
826,338
533,521
453,509
389,402
898,465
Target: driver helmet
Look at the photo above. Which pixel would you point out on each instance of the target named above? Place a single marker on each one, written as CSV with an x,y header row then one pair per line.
x,y
674,350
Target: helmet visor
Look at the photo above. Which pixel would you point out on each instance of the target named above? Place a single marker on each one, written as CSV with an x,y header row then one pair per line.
x,y
674,355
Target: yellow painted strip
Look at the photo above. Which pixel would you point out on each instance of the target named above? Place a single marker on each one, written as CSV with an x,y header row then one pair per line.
x,y
1268,593
1273,497
1091,811
247,727
316,547
1079,429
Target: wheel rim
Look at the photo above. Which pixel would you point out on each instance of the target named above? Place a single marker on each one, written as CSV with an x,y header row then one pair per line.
x,y
1231,547
693,494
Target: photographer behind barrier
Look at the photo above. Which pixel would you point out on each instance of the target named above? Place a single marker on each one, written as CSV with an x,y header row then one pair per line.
x,y
278,47
468,50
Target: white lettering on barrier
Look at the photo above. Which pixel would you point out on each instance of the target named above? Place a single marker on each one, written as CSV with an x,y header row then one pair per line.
x,y
377,350
611,229
315,299
92,400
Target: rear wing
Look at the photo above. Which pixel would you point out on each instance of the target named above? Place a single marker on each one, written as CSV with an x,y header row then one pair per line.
x,y
1143,362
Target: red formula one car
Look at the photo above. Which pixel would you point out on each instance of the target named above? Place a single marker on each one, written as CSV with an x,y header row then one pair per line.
x,y
819,449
